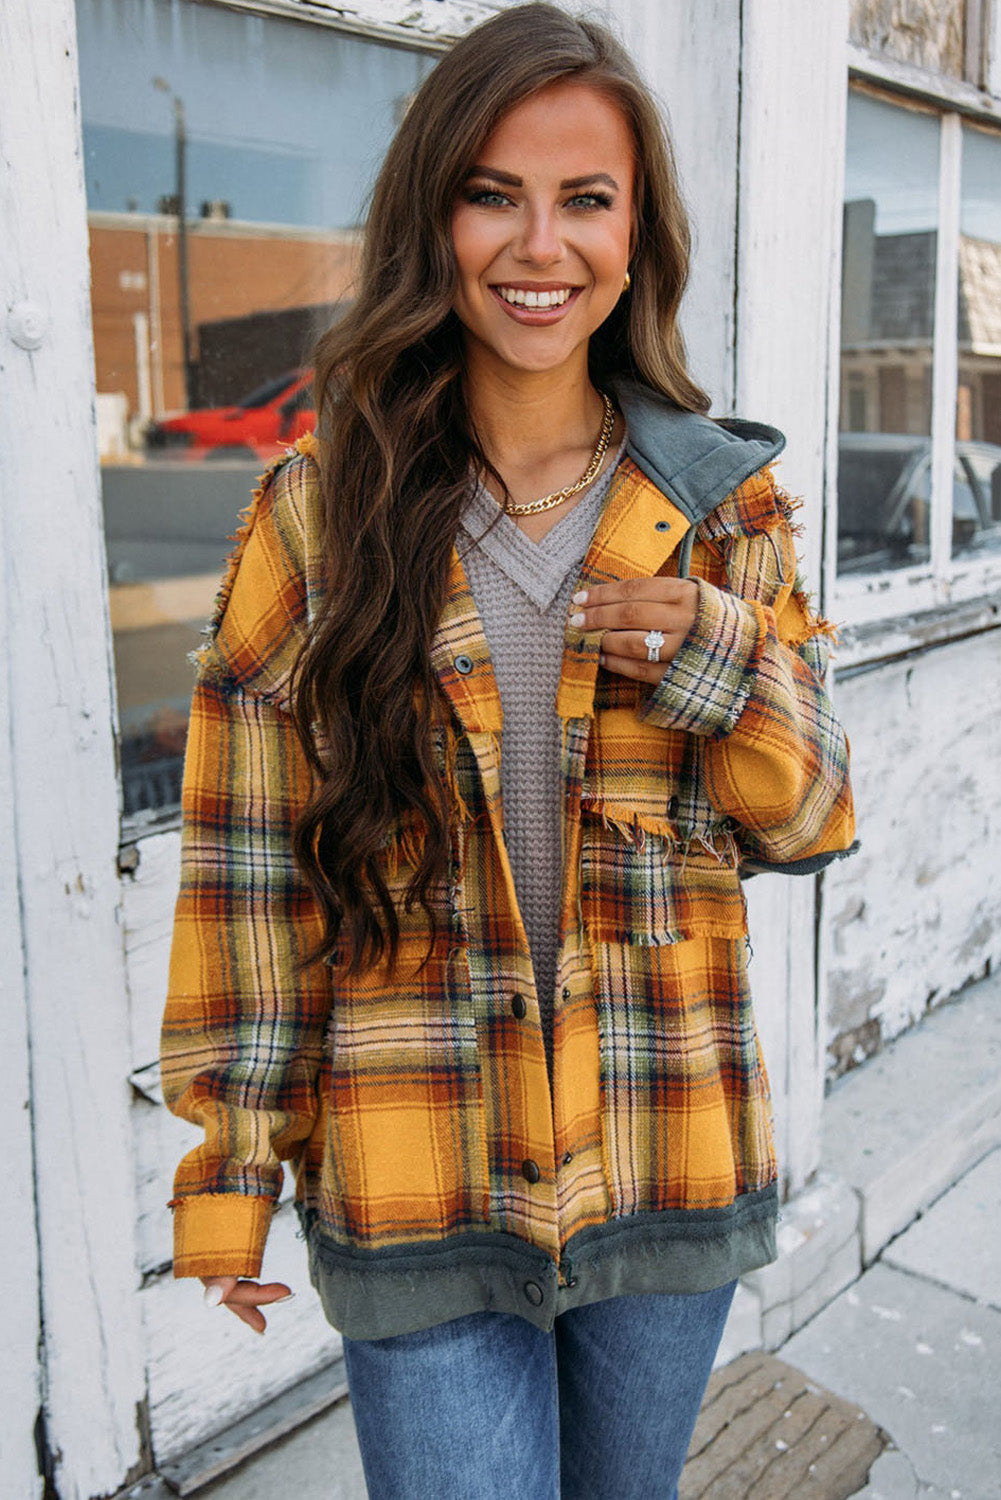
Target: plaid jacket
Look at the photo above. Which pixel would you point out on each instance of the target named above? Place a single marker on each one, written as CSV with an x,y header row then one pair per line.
x,y
436,1172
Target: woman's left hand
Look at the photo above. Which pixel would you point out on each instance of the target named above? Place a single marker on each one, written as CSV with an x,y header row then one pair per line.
x,y
626,610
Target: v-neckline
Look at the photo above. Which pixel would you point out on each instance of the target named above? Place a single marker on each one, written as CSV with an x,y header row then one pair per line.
x,y
538,568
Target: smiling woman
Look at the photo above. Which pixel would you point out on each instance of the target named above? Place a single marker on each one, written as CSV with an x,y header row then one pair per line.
x,y
509,674
543,249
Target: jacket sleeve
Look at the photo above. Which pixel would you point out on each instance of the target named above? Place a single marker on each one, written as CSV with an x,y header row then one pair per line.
x,y
241,1040
748,681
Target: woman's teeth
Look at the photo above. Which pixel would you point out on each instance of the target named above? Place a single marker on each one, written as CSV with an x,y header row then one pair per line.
x,y
520,298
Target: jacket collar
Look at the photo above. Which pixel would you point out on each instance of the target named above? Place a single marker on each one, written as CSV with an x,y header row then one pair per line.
x,y
695,461
677,468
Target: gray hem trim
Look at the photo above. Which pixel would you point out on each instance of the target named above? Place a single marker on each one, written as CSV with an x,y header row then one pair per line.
x,y
377,1294
812,865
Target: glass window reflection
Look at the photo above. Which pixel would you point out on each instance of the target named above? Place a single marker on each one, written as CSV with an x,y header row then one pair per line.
x,y
887,331
977,500
227,159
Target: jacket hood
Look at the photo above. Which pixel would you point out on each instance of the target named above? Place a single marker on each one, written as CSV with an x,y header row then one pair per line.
x,y
695,461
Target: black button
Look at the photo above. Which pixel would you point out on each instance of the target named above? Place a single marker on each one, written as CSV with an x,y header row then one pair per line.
x,y
518,1006
530,1170
464,664
567,1158
534,1292
672,807
565,992
572,1281
662,526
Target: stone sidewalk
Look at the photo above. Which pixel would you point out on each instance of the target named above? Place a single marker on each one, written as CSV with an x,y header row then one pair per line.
x,y
916,1342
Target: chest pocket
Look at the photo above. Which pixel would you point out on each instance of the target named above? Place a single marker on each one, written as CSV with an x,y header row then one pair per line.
x,y
644,887
658,864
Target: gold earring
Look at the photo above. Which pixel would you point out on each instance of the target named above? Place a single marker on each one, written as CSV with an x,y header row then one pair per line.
x,y
627,283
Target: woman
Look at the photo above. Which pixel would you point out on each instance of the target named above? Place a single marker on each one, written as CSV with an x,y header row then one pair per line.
x,y
494,1007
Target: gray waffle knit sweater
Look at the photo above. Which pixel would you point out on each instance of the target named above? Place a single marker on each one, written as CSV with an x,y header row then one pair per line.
x,y
522,591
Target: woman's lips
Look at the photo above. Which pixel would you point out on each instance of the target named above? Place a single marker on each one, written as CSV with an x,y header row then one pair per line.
x,y
534,316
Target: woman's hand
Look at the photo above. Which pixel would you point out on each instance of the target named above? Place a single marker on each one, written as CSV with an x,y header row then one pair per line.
x,y
244,1297
627,610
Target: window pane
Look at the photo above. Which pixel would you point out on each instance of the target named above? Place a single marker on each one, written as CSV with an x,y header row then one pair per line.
x,y
227,161
977,502
887,320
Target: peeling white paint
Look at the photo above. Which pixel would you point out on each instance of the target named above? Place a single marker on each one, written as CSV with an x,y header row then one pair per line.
x,y
916,914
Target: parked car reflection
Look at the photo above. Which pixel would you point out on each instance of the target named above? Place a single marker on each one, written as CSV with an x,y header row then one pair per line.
x,y
884,500
271,417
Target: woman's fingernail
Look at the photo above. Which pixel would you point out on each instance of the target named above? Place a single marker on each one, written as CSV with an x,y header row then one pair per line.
x,y
287,1298
601,658
213,1295
580,597
577,619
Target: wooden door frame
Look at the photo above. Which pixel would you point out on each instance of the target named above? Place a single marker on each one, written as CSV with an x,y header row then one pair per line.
x,y
71,1045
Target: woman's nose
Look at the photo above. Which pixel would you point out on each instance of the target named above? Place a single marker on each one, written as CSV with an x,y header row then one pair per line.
x,y
539,240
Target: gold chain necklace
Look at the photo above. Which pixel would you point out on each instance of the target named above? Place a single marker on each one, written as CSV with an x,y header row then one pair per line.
x,y
558,496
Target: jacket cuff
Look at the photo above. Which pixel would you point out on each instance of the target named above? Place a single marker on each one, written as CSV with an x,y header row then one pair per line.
x,y
706,687
220,1234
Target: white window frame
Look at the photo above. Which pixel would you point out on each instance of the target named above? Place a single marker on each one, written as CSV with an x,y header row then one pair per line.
x,y
860,602
422,24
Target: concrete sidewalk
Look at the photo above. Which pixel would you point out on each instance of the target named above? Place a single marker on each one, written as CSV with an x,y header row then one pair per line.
x,y
885,1303
916,1342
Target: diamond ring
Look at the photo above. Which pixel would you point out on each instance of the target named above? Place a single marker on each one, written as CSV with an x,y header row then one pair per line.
x,y
653,641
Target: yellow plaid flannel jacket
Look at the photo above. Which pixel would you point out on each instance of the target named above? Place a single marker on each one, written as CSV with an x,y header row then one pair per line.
x,y
437,1173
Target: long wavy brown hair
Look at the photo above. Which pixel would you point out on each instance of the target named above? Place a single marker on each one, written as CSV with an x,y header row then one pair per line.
x,y
398,449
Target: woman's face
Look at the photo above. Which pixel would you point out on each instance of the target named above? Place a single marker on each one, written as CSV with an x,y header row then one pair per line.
x,y
542,229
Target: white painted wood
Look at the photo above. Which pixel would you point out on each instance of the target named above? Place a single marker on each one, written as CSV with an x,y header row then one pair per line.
x,y
280,1416
206,1369
880,597
690,55
20,1370
945,352
62,769
916,913
432,23
993,32
148,895
974,41
780,922
919,83
792,134
908,634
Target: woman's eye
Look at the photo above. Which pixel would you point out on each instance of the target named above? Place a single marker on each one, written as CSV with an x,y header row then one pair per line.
x,y
489,197
591,200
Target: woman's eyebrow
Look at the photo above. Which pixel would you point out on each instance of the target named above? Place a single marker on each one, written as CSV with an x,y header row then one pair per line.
x,y
567,185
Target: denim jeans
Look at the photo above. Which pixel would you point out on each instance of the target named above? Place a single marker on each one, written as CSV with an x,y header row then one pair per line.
x,y
489,1407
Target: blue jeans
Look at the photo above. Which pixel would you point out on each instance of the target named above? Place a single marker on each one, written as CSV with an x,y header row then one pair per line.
x,y
489,1407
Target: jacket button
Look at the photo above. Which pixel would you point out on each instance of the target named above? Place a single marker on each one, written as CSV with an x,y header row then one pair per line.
x,y
565,992
464,664
567,1158
518,1006
662,526
533,1292
672,807
530,1170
